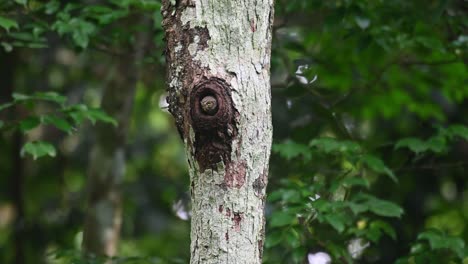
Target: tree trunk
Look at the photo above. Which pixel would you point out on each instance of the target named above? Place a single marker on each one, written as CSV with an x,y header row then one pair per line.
x,y
106,170
106,167
218,60
17,177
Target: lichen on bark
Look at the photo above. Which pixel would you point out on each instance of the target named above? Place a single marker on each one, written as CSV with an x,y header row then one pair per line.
x,y
221,49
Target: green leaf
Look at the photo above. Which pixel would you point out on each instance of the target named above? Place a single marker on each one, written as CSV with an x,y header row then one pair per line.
x,y
290,149
380,207
378,165
357,208
79,29
385,227
435,144
51,96
6,46
336,221
29,123
373,234
414,144
20,97
59,123
274,238
52,7
76,112
22,2
418,248
38,149
43,96
95,114
293,238
354,181
7,23
1,124
5,106
438,240
458,131
282,219
330,145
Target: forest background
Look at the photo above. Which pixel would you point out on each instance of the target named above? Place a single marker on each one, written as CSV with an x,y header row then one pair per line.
x,y
370,107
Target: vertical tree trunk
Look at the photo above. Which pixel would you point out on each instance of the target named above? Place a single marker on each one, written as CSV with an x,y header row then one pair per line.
x,y
106,170
17,177
106,166
218,59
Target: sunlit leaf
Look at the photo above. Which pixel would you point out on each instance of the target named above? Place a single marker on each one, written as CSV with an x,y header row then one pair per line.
x,y
7,23
378,206
38,149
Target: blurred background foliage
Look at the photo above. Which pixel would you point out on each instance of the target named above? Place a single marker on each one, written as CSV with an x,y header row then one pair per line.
x,y
370,106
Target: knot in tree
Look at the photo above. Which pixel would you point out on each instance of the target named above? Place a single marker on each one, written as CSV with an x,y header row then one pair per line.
x,y
212,114
211,105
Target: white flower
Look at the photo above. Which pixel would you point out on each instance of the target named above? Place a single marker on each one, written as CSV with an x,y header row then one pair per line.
x,y
319,258
356,247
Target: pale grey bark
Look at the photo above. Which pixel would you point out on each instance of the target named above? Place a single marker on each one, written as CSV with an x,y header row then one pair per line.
x,y
223,46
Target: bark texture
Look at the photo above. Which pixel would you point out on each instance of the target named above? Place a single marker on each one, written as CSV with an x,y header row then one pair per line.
x,y
220,49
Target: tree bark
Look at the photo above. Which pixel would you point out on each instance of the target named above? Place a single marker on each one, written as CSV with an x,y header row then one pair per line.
x,y
218,61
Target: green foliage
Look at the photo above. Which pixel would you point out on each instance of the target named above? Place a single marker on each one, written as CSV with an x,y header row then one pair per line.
x,y
378,166
76,22
311,210
290,150
439,240
79,29
7,23
38,149
61,116
434,246
371,148
437,143
388,91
